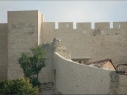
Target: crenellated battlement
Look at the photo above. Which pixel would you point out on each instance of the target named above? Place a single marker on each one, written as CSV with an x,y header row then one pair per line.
x,y
86,25
25,29
65,25
118,25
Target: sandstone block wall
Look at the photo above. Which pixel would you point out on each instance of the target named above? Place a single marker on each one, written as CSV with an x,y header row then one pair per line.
x,y
99,43
25,29
47,73
73,78
22,35
3,50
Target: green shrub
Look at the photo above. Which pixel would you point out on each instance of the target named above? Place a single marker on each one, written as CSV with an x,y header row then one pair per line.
x,y
35,82
32,64
20,86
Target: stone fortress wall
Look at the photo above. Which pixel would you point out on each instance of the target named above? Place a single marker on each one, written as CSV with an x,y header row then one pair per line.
x,y
70,77
25,29
22,35
74,78
99,43
18,35
3,50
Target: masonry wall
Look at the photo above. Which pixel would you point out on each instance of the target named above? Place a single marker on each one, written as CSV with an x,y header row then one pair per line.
x,y
122,84
73,78
25,29
3,50
46,73
99,43
22,35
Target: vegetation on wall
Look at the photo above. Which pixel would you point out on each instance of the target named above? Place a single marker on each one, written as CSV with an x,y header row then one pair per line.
x,y
32,64
21,86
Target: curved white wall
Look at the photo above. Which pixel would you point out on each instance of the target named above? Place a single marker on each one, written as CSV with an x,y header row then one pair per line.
x,y
74,78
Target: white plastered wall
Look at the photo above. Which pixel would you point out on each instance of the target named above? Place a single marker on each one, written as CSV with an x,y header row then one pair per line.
x,y
74,78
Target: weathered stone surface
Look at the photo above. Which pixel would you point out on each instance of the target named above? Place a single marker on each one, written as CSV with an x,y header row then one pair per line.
x,y
25,29
3,50
114,84
23,34
74,78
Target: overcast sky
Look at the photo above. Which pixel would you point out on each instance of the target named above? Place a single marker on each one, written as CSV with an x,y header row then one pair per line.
x,y
70,11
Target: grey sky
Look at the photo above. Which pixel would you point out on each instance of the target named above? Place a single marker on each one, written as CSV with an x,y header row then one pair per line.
x,y
70,11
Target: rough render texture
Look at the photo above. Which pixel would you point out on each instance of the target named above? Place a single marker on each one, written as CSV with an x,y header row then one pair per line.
x,y
74,78
3,51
